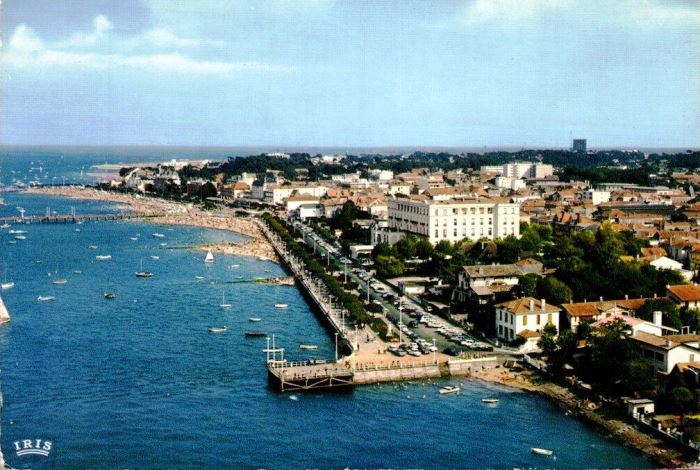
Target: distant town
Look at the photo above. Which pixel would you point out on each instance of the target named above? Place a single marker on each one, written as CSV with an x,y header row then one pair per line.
x,y
581,263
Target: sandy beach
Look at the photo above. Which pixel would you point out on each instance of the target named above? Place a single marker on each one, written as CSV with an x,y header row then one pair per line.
x,y
161,211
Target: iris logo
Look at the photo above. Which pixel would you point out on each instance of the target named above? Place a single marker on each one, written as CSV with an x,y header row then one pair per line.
x,y
33,447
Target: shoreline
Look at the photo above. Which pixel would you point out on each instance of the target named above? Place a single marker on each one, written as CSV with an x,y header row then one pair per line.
x,y
607,421
166,212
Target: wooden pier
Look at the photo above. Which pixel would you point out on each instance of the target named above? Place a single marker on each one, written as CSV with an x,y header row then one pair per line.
x,y
71,218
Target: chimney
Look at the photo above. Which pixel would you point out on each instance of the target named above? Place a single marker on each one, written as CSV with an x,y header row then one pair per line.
x,y
532,305
668,343
657,317
627,297
601,298
654,295
544,304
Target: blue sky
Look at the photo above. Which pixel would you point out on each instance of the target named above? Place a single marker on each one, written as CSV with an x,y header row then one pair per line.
x,y
351,73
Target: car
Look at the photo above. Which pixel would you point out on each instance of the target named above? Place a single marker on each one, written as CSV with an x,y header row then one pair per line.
x,y
414,353
451,351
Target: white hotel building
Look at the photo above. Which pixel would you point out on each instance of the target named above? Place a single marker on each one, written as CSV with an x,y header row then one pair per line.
x,y
456,218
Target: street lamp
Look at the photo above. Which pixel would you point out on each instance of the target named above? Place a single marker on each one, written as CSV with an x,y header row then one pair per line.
x,y
400,321
434,352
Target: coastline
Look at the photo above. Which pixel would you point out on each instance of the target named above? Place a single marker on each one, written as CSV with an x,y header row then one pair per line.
x,y
604,420
165,212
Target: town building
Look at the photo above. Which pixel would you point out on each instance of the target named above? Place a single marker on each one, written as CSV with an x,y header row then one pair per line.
x,y
525,317
685,295
579,145
455,219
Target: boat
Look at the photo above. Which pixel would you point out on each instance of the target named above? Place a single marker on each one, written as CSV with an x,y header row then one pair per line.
x,y
155,257
5,225
235,266
143,273
77,230
20,237
77,271
255,333
199,278
209,258
217,329
281,305
45,298
254,319
158,235
12,242
60,282
7,285
163,244
16,232
308,346
103,257
110,295
134,239
93,247
489,400
449,389
223,303
540,451
4,318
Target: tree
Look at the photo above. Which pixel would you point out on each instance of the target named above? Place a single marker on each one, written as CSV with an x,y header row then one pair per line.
x,y
508,249
608,349
554,290
424,248
406,247
527,285
639,376
207,190
388,266
382,249
548,339
691,318
681,397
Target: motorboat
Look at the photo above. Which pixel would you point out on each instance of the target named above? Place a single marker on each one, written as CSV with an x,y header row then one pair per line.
x,y
60,282
217,329
199,278
134,239
281,305
489,401
449,389
45,298
255,319
310,347
158,235
103,257
209,258
110,295
20,237
93,247
7,285
155,257
540,451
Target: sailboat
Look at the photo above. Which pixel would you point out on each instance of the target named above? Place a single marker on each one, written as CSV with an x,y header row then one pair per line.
x,y
223,303
4,314
6,285
143,273
209,258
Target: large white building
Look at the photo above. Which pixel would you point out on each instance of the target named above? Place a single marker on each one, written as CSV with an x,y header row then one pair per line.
x,y
524,317
520,170
595,196
455,219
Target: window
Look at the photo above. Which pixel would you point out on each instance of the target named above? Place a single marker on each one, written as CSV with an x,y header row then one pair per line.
x,y
524,320
489,210
481,210
537,317
472,211
549,318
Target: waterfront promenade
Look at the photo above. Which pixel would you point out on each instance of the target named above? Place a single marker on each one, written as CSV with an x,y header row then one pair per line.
x,y
367,360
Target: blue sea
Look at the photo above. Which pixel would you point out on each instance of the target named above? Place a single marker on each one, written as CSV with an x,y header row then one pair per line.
x,y
139,383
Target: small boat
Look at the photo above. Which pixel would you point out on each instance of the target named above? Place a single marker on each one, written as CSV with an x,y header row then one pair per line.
x,y
110,295
12,242
77,271
93,247
16,232
103,257
60,282
209,258
539,451
45,298
223,303
308,346
255,333
7,285
217,329
254,319
20,237
155,257
235,266
449,389
489,400
134,239
77,230
143,273
163,244
199,278
5,225
158,235
281,305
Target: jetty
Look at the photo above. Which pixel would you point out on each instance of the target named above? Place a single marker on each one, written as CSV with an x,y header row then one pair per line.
x,y
72,218
350,369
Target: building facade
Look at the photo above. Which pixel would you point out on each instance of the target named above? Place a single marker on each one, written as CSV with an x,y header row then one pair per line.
x,y
455,219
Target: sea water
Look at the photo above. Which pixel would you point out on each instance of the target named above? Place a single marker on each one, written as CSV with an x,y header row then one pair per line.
x,y
138,382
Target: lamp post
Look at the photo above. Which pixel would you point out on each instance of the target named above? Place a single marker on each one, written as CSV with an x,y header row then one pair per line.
x,y
400,321
434,352
336,346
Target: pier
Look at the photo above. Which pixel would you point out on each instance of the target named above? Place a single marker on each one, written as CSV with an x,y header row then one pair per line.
x,y
354,368
71,218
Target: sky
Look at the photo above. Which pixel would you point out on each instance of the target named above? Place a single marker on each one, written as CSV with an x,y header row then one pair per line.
x,y
351,72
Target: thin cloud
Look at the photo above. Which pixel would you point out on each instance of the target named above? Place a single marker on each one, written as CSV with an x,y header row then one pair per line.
x,y
488,10
27,50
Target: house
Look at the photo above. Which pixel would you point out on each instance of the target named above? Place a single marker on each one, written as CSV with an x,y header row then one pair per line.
x,y
663,353
235,190
294,202
525,317
664,263
685,295
483,282
576,312
636,325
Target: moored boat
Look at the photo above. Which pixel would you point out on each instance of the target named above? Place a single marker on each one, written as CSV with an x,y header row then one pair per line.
x,y
7,285
540,451
103,257
209,258
449,389
489,400
217,329
110,295
255,333
45,298
60,282
308,346
281,305
254,319
158,235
